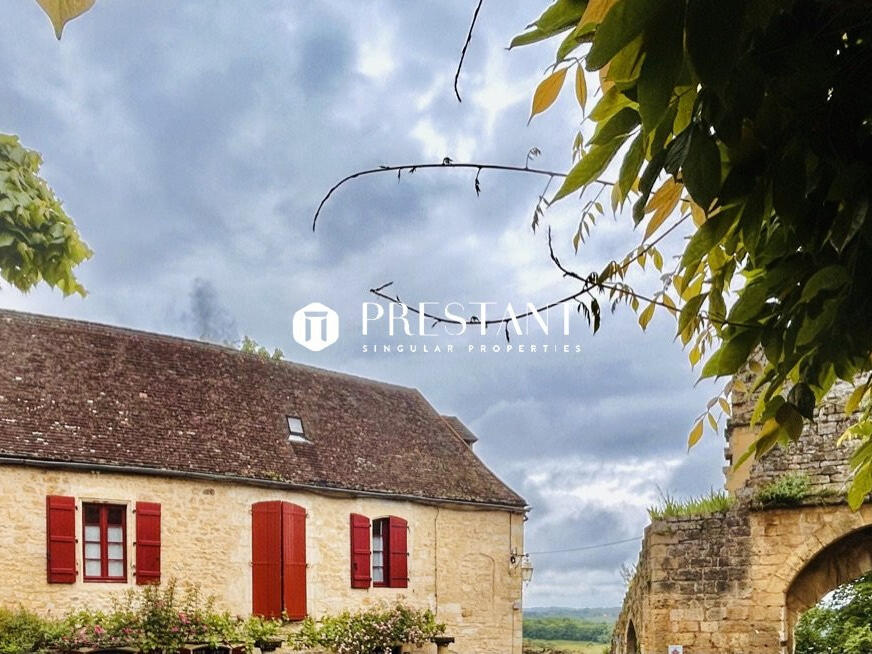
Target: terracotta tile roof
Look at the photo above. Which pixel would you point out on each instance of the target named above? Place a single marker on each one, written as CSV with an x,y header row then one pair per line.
x,y
84,393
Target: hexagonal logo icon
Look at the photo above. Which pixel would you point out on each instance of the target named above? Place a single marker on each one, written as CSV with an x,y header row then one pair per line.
x,y
316,326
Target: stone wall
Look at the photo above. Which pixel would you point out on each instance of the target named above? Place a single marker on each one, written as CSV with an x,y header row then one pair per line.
x,y
458,557
736,582
690,584
816,453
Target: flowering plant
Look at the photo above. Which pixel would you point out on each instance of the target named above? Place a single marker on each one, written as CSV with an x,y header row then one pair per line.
x,y
151,619
372,631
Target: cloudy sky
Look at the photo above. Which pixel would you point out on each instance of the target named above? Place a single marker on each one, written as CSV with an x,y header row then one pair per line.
x,y
192,141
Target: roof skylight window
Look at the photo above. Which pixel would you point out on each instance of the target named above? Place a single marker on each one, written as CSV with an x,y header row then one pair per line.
x,y
295,430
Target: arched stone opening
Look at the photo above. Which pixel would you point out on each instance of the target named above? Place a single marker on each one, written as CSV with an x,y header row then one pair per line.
x,y
840,562
632,641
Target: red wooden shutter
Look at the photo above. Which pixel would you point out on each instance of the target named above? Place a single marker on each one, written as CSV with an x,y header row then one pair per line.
x,y
60,515
294,560
398,553
147,543
266,559
361,573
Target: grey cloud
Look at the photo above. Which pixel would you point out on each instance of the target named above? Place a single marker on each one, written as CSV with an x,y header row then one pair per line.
x,y
197,145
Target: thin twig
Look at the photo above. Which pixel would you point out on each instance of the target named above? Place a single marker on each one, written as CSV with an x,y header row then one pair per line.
x,y
447,163
465,46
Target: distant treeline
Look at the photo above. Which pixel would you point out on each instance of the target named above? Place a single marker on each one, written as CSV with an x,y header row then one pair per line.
x,y
567,629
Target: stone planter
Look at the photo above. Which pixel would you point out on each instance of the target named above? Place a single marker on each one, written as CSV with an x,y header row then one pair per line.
x,y
269,644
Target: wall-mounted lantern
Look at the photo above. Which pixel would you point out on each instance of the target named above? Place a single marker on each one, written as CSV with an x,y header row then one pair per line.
x,y
522,561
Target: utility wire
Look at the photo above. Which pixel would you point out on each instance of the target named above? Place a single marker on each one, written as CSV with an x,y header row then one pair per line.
x,y
589,547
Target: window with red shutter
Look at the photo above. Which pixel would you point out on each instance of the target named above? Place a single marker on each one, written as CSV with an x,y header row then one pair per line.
x,y
266,559
104,542
278,559
60,515
294,560
397,553
147,543
360,552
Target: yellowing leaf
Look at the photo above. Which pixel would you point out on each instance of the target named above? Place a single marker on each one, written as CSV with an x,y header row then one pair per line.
x,y
60,12
662,203
697,214
695,435
646,315
580,86
725,406
712,422
853,401
547,91
670,305
605,82
595,11
694,356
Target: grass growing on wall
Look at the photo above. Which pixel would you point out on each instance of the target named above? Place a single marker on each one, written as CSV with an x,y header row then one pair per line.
x,y
789,490
671,507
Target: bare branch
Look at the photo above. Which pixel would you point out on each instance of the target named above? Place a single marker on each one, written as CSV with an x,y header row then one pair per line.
x,y
465,46
446,163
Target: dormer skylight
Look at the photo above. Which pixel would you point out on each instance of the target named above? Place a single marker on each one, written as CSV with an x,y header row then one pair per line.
x,y
295,430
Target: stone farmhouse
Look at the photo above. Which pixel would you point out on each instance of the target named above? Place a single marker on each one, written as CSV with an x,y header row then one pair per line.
x,y
737,582
129,458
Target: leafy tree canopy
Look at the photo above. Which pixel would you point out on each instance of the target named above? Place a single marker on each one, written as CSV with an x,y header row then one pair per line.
x,y
755,118
38,240
840,625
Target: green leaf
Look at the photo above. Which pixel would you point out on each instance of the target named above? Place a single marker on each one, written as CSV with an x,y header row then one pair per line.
x,y
663,60
732,354
751,299
713,29
813,326
788,183
588,168
825,279
623,23
557,18
711,232
701,170
622,123
689,311
676,152
802,397
574,39
646,184
861,486
848,222
631,165
610,104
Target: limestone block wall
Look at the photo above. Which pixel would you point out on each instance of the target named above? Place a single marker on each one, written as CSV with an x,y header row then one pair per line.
x,y
690,586
458,557
816,452
737,582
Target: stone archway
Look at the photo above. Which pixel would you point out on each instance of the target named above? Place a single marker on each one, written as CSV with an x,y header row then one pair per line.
x,y
839,562
632,639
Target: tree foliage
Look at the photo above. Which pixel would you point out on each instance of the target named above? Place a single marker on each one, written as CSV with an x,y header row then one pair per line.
x,y
38,240
755,118
841,625
563,628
